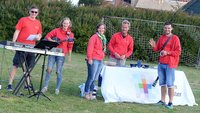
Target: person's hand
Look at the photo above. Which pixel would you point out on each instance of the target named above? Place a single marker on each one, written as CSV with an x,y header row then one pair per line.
x,y
49,39
123,57
163,53
53,40
152,42
69,59
117,56
38,37
90,62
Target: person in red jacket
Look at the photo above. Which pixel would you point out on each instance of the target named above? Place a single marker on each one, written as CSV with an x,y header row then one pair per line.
x,y
95,54
168,61
65,37
121,45
26,27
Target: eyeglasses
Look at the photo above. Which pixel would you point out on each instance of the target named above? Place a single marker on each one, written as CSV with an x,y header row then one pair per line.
x,y
34,12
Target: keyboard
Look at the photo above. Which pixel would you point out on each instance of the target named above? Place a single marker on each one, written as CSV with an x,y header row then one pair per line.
x,y
29,48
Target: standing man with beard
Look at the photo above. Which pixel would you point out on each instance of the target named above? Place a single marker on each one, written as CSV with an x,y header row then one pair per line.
x,y
121,45
168,61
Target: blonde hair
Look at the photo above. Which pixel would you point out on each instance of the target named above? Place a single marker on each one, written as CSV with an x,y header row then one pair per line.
x,y
66,18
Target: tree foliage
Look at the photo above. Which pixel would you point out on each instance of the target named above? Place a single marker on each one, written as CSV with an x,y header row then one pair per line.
x,y
85,19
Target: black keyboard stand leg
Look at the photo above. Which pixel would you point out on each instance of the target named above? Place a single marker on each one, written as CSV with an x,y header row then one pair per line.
x,y
19,85
25,75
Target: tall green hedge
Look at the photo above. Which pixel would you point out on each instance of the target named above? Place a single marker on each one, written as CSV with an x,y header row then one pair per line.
x,y
84,19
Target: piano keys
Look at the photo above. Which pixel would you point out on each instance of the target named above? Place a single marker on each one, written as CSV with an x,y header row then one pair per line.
x,y
29,48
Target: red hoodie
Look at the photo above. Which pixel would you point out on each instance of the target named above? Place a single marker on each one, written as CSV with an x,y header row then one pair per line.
x,y
95,48
60,34
173,48
120,45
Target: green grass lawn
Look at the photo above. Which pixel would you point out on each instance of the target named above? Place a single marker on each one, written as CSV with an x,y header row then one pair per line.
x,y
69,101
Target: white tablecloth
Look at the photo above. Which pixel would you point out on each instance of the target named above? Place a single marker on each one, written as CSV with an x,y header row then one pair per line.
x,y
122,84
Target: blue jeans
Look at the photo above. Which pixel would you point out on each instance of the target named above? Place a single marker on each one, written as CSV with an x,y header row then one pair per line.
x,y
166,75
93,74
59,60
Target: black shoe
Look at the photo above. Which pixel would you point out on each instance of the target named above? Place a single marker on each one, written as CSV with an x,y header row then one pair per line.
x,y
169,105
161,103
28,87
9,87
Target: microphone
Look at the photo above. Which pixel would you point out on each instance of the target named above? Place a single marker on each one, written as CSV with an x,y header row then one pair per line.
x,y
69,39
68,33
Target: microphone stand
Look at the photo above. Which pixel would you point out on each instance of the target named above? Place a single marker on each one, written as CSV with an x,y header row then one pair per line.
x,y
43,67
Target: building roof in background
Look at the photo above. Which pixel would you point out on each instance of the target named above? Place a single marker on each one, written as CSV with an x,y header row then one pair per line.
x,y
168,5
193,7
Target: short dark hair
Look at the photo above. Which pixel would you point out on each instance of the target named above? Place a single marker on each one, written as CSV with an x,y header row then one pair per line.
x,y
33,7
168,23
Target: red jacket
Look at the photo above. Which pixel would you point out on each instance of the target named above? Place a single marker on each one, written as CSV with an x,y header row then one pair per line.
x,y
60,34
120,45
173,48
95,48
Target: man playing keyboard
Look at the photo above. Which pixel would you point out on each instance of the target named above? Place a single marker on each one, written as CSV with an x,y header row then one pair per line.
x,y
28,30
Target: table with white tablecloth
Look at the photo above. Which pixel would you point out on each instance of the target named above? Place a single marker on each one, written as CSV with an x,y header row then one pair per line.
x,y
124,84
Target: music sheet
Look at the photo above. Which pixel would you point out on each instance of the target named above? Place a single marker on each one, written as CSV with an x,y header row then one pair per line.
x,y
31,37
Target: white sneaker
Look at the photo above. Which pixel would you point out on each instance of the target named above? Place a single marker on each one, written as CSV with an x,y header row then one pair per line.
x,y
57,91
44,90
93,97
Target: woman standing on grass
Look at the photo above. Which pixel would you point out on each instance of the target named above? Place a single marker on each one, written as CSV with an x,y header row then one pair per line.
x,y
95,54
65,38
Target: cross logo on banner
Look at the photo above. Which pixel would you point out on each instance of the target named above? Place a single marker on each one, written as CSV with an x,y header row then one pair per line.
x,y
145,86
